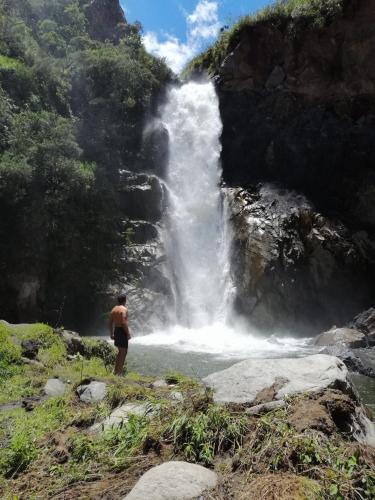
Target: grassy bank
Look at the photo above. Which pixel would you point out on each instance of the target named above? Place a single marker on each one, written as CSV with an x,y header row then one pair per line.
x,y
51,451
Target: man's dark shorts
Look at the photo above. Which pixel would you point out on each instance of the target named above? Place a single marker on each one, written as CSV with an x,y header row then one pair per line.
x,y
121,339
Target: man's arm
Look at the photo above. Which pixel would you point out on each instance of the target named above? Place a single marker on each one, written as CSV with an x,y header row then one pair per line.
x,y
110,324
125,323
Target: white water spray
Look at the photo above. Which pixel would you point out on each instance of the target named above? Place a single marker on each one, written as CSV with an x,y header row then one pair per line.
x,y
195,245
197,234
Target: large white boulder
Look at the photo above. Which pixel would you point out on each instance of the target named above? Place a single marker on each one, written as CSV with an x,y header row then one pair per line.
x,y
173,481
242,382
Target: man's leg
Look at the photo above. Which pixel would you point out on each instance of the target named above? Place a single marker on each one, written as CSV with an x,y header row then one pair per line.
x,y
120,361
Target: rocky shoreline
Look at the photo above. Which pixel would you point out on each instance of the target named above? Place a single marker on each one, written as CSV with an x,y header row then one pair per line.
x,y
296,426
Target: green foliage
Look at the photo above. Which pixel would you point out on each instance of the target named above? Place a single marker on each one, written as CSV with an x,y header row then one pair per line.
x,y
201,436
10,355
71,115
295,16
101,350
126,440
27,430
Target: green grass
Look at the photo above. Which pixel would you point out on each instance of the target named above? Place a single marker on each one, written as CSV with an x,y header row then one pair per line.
x,y
26,431
9,63
294,16
200,437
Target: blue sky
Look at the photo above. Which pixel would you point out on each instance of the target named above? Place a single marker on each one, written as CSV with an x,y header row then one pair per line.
x,y
179,29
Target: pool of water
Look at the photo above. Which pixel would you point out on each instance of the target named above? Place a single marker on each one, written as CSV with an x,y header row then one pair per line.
x,y
152,356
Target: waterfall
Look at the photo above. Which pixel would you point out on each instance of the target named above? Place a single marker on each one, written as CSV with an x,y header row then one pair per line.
x,y
197,236
196,248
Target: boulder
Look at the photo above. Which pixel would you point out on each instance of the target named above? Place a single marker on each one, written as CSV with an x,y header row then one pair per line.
x,y
159,384
244,382
346,336
30,348
73,342
365,323
141,196
293,268
321,377
174,481
92,392
359,360
120,416
54,388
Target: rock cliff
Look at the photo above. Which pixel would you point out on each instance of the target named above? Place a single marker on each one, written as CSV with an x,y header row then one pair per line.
x,y
105,18
298,110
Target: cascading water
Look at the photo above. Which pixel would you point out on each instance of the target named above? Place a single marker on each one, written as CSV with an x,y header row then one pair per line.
x,y
195,243
197,236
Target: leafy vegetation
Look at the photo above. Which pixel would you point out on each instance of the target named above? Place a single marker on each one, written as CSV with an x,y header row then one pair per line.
x,y
71,116
291,16
204,435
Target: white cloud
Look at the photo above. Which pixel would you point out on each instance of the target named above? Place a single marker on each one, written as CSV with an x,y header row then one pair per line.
x,y
202,25
175,52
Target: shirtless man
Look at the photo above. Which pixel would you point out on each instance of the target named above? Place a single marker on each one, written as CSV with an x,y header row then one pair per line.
x,y
119,331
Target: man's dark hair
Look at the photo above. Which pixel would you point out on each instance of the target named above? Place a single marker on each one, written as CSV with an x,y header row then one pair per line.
x,y
121,299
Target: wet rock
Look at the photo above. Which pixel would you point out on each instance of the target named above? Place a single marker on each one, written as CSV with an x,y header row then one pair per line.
x,y
139,232
367,358
141,196
120,416
243,382
92,392
293,268
30,348
54,388
365,323
156,147
346,336
174,481
359,360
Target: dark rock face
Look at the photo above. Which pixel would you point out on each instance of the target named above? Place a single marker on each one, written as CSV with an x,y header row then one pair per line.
x,y
104,17
141,196
300,110
156,148
295,269
143,276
